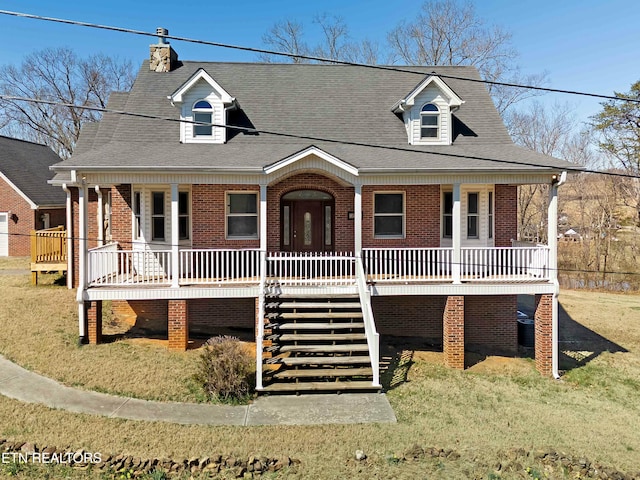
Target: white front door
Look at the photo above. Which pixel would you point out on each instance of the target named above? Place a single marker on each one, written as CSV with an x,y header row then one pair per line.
x,y
4,234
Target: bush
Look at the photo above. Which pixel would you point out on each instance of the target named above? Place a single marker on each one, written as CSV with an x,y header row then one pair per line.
x,y
226,369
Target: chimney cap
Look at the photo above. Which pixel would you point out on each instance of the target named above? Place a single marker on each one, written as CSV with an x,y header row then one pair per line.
x,y
162,32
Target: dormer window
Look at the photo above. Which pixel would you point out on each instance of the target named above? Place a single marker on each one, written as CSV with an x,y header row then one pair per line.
x,y
202,112
430,122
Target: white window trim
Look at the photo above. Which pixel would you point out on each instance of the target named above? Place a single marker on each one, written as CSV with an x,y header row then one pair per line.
x,y
137,223
483,237
227,214
209,111
437,114
162,215
146,214
476,215
404,214
444,191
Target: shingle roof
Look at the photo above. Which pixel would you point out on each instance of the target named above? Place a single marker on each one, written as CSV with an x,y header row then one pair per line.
x,y
26,165
337,102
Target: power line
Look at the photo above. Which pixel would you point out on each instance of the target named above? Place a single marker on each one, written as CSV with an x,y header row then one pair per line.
x,y
310,57
257,250
309,137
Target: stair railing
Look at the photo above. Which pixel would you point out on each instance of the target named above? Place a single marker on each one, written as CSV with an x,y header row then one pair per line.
x,y
373,337
260,319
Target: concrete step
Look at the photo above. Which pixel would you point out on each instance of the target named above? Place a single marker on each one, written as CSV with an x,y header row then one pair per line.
x,y
319,386
324,372
318,337
318,305
319,326
303,315
351,360
325,348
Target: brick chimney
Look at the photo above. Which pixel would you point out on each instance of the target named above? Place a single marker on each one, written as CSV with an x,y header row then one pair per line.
x,y
162,58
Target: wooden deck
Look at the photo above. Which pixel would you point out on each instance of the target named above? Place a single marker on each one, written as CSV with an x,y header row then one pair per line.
x,y
48,251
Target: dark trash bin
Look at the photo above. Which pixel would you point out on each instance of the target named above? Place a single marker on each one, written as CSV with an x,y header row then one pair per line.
x,y
526,330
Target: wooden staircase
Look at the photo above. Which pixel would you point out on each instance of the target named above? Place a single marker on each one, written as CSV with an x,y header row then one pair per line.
x,y
317,343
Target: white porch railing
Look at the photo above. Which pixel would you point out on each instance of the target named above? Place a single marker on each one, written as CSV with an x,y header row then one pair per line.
x,y
500,264
407,264
317,268
493,264
198,266
373,337
108,266
102,265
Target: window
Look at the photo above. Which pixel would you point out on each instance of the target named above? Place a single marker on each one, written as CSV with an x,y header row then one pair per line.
x,y
183,215
430,122
490,216
157,216
137,232
202,112
447,214
472,215
388,217
242,215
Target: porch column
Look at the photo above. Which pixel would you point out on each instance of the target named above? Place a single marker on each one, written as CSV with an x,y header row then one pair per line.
x,y
456,233
100,216
552,231
94,321
175,237
544,334
82,261
357,220
453,332
263,218
178,325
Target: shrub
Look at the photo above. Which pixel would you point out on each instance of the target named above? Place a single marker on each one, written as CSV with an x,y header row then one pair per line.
x,y
225,369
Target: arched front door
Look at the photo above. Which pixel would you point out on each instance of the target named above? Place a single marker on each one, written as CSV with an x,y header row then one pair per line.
x,y
307,223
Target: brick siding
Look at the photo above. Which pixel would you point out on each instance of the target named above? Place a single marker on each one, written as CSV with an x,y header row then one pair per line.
x,y
410,316
453,332
543,334
490,323
506,216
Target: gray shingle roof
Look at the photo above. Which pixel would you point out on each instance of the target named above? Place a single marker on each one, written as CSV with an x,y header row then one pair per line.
x,y
337,102
26,165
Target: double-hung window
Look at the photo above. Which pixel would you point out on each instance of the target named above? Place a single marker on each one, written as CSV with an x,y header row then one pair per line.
x,y
447,214
242,215
490,216
157,216
202,112
137,212
183,215
430,122
472,215
388,217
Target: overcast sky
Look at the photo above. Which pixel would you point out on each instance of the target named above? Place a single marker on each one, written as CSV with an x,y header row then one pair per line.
x,y
584,45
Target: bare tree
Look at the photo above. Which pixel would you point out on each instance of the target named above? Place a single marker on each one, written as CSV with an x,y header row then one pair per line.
x,y
58,75
287,36
447,32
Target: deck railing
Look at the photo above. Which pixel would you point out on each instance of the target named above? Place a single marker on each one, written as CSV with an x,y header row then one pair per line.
x,y
499,264
317,268
112,267
373,337
49,246
198,266
407,264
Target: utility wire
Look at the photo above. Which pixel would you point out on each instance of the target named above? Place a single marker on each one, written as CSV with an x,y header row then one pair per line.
x,y
410,261
310,137
310,57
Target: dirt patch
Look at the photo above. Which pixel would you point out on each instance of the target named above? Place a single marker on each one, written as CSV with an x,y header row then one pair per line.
x,y
500,365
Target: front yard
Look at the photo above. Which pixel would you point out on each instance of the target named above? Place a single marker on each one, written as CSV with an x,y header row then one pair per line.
x,y
483,414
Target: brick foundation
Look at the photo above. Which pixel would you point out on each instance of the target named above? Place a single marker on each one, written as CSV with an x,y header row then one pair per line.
x,y
178,325
453,332
490,323
543,334
413,316
94,321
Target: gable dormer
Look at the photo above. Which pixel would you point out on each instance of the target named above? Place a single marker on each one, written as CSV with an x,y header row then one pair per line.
x,y
202,99
426,112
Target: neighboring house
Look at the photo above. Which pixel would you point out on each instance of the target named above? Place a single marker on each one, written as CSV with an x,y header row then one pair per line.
x,y
365,202
27,201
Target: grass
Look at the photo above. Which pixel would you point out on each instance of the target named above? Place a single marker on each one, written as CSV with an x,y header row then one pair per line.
x,y
480,413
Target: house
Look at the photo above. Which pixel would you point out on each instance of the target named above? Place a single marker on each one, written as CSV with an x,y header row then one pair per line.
x,y
349,202
27,201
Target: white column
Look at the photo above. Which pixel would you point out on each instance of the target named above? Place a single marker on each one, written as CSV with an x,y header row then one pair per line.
x,y
552,231
456,234
100,217
82,260
357,220
263,218
175,237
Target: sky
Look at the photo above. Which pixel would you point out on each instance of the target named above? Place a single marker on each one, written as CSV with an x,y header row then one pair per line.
x,y
583,45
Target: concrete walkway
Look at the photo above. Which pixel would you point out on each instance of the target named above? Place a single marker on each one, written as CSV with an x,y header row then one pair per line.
x,y
26,386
